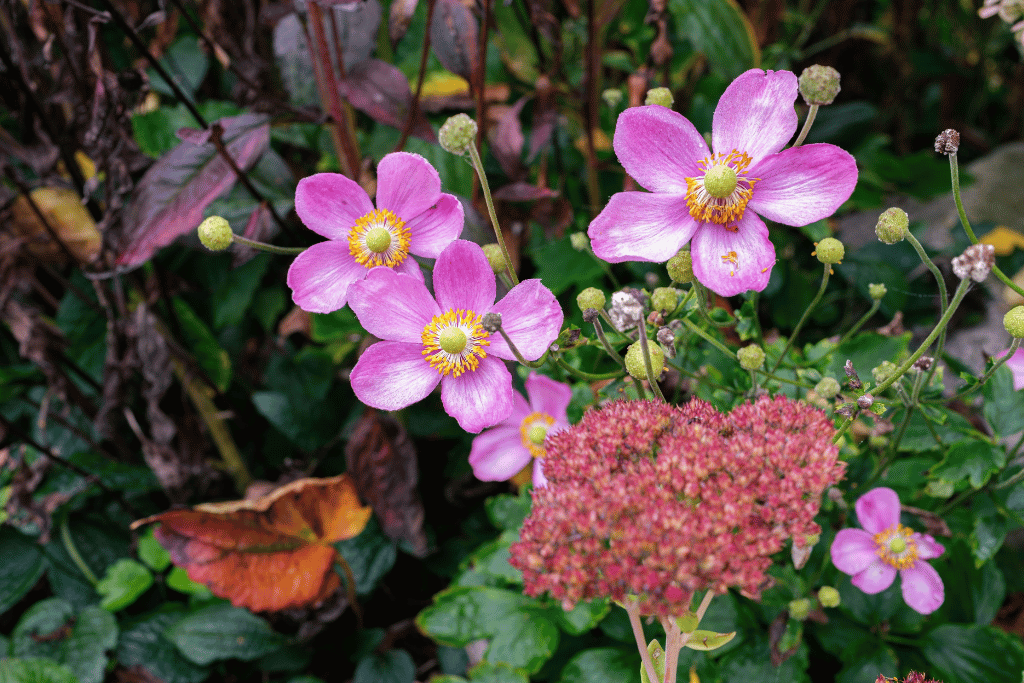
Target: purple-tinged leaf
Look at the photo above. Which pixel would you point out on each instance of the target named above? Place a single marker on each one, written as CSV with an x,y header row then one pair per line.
x,y
523,192
399,18
169,200
196,136
260,227
453,35
507,141
382,92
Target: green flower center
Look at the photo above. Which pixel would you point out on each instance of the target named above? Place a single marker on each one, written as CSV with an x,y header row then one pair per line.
x,y
452,340
720,181
378,240
537,434
897,545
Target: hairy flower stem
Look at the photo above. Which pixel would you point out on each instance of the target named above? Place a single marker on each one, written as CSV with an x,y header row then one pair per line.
x,y
651,379
804,317
633,610
519,356
599,330
958,297
486,189
808,122
269,248
708,338
588,376
943,296
954,172
998,363
875,304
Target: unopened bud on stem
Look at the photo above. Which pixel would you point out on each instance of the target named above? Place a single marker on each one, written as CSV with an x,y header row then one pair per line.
x,y
819,84
215,233
457,133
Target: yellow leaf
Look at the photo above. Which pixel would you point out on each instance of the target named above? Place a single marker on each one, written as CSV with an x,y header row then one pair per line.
x,y
1005,239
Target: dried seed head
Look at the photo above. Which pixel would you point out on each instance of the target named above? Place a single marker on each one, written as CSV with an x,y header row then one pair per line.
x,y
947,142
976,262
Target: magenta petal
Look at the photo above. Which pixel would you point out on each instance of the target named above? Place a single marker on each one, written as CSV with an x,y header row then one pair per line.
x,y
927,547
539,480
329,204
407,184
801,185
878,510
755,114
320,277
532,319
393,306
641,226
463,279
434,229
1016,365
732,262
409,267
479,398
548,396
392,375
875,579
658,147
498,454
853,551
922,588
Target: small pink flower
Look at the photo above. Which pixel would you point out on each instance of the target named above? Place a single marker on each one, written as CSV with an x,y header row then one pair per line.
x,y
427,341
412,216
499,453
873,555
703,198
1016,365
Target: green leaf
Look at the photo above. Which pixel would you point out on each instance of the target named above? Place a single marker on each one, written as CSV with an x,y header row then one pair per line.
x,y
507,511
186,64
974,460
177,579
151,552
143,644
198,338
602,665
753,663
94,633
51,629
491,672
706,641
463,614
233,297
1003,407
370,556
967,654
34,671
125,581
223,632
560,266
583,617
973,594
492,560
336,326
867,668
523,640
720,30
23,564
657,654
394,666
867,350
990,529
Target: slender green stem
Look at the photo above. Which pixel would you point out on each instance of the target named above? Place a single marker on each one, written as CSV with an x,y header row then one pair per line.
x,y
1013,452
599,329
588,376
808,122
709,339
638,633
785,380
807,314
486,189
944,296
998,363
860,323
1009,482
754,300
648,366
76,557
269,248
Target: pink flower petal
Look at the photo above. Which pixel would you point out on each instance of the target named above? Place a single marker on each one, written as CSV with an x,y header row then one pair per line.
x,y
435,228
539,480
479,398
732,262
853,551
875,579
393,306
409,267
658,147
803,184
1016,365
329,204
548,396
927,547
922,588
530,316
878,510
392,375
320,277
407,184
498,454
755,114
641,226
463,279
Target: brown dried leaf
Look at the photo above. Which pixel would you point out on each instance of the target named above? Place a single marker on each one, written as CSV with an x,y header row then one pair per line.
x,y
64,214
399,18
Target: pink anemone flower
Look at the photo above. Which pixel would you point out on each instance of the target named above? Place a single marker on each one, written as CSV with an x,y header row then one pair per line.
x,y
501,452
412,216
712,199
428,340
873,555
1016,365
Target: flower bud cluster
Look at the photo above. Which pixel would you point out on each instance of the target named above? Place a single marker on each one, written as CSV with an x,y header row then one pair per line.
x,y
653,502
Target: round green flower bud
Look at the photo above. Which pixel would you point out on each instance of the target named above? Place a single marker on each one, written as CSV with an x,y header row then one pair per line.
x,y
662,96
457,133
828,387
799,609
830,250
591,297
680,268
215,233
579,241
819,84
937,488
612,97
828,596
665,299
884,371
892,225
1013,321
751,357
878,441
495,257
877,290
635,360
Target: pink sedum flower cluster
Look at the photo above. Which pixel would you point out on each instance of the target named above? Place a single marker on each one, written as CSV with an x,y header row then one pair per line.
x,y
653,502
712,199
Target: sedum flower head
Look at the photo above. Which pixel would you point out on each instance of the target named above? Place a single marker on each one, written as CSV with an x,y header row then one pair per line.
x,y
653,502
713,199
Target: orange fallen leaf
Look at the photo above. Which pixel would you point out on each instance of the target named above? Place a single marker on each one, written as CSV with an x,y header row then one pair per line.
x,y
271,553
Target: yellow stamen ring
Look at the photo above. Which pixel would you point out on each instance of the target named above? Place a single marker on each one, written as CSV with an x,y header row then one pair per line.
x,y
447,357
704,204
531,428
370,247
896,547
